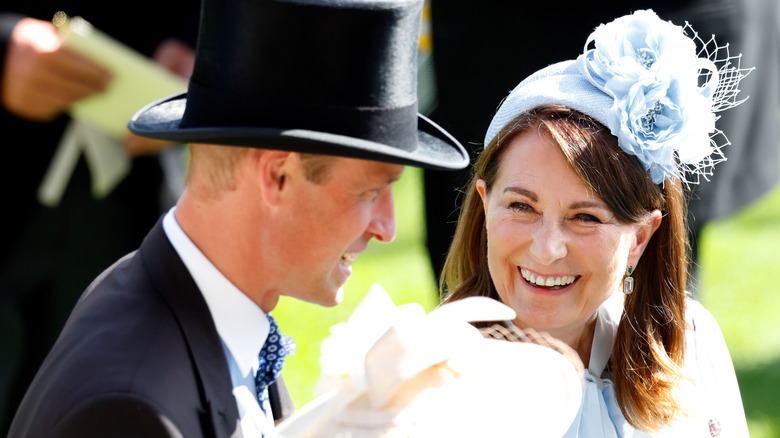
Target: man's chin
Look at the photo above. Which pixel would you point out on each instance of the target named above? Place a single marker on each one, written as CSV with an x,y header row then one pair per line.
x,y
338,297
330,299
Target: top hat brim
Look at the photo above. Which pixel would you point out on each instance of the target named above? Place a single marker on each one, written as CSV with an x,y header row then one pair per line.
x,y
436,149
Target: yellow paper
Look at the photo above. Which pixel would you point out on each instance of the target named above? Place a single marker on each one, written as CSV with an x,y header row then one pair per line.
x,y
137,80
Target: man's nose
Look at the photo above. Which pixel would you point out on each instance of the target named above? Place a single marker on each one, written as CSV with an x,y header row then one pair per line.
x,y
382,226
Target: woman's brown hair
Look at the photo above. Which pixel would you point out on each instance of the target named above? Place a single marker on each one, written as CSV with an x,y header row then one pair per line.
x,y
649,345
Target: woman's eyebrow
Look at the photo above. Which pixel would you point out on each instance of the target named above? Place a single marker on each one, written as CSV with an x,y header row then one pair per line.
x,y
521,191
579,204
589,204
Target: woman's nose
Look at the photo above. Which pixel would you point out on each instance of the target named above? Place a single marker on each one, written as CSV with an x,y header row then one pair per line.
x,y
549,243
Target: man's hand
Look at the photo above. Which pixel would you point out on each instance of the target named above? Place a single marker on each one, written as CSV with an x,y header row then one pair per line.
x,y
42,79
179,59
176,57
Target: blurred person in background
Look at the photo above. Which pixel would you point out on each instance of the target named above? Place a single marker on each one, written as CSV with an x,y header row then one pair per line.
x,y
50,253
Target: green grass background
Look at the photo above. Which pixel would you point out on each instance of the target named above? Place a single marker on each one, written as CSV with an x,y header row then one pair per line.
x,y
739,267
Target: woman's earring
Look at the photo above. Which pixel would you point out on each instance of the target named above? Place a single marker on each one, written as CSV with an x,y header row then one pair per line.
x,y
628,282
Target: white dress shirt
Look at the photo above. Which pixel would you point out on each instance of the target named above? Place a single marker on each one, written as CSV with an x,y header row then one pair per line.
x,y
241,324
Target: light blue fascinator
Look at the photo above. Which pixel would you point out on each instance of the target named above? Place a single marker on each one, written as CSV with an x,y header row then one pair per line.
x,y
655,85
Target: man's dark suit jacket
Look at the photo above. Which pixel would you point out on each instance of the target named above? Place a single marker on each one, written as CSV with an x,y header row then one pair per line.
x,y
139,356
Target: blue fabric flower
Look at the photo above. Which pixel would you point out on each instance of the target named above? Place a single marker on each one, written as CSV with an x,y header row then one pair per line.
x,y
651,69
654,84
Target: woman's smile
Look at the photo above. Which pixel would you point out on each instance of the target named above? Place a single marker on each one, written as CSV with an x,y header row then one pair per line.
x,y
555,250
551,282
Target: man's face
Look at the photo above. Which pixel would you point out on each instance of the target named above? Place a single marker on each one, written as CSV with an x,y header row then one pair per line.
x,y
327,224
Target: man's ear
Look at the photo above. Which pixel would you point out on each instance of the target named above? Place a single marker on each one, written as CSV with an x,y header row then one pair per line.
x,y
271,172
644,232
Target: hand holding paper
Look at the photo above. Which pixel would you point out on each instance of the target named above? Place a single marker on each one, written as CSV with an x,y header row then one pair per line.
x,y
137,80
43,78
99,125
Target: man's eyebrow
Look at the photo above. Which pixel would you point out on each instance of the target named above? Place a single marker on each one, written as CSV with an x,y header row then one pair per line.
x,y
393,177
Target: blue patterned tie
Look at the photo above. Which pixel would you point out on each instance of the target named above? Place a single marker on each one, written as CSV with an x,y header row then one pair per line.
x,y
271,359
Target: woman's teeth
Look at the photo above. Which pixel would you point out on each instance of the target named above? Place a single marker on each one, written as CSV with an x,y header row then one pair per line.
x,y
539,280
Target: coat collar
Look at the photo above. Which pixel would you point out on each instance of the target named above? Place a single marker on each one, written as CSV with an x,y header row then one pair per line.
x,y
178,289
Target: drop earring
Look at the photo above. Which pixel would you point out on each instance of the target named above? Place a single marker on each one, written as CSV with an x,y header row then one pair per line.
x,y
628,282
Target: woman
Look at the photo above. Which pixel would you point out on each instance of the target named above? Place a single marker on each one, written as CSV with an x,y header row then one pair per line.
x,y
575,218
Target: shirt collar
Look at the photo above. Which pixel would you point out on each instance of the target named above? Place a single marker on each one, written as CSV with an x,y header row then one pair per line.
x,y
242,325
607,320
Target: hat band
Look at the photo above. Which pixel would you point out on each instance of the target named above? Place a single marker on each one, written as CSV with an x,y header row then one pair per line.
x,y
396,127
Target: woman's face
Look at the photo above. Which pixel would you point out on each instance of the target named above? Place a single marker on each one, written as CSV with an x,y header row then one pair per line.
x,y
555,250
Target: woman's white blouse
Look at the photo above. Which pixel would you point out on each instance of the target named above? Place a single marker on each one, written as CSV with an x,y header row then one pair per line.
x,y
710,396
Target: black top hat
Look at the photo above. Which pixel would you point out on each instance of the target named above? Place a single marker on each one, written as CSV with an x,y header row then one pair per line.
x,y
334,77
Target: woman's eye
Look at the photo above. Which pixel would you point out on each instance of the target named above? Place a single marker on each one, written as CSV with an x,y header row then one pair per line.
x,y
584,217
520,206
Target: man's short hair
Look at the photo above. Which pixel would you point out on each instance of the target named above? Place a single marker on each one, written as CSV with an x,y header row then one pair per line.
x,y
316,167
218,165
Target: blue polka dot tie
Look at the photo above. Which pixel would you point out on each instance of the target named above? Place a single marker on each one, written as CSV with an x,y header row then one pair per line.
x,y
271,360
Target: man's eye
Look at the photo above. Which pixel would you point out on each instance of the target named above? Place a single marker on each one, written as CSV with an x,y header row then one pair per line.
x,y
372,194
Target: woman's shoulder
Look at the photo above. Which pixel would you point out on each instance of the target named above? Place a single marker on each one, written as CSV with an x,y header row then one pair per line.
x,y
699,319
707,352
705,344
715,389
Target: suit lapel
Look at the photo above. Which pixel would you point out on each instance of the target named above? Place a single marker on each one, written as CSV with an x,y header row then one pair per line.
x,y
279,398
177,287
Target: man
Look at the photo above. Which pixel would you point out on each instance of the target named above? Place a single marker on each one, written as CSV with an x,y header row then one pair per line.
x,y
301,114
